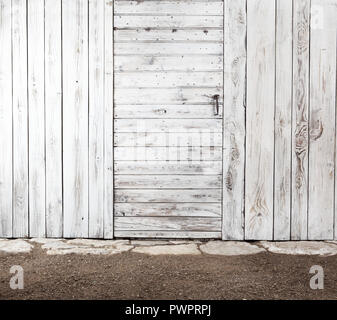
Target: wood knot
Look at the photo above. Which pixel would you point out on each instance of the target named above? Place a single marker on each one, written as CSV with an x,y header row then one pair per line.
x,y
316,131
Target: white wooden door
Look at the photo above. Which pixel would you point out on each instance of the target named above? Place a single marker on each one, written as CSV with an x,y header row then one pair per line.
x,y
168,62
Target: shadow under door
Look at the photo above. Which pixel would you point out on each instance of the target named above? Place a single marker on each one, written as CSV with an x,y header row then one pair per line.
x,y
168,94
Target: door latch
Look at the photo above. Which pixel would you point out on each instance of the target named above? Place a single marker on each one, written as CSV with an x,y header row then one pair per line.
x,y
216,101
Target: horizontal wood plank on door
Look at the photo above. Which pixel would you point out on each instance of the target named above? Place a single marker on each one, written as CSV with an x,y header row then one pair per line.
x,y
168,79
168,223
53,106
168,153
167,96
167,234
20,120
173,63
322,124
167,181
172,22
168,209
137,111
155,139
158,196
168,167
165,49
6,125
197,35
169,8
168,125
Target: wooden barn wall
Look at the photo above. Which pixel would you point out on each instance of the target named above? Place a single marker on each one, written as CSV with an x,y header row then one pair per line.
x,y
279,136
56,88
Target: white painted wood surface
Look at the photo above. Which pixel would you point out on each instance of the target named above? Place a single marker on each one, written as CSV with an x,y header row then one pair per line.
x,y
53,114
6,107
174,139
108,182
166,224
168,209
181,35
168,153
168,79
168,125
169,63
301,36
168,234
168,167
169,8
97,94
165,115
167,182
168,49
283,110
36,124
260,119
235,61
322,121
173,21
75,118
20,119
96,118
157,195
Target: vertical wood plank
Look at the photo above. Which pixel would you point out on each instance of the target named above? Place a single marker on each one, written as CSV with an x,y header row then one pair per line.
x,y
108,122
53,106
322,120
260,119
299,217
35,16
234,119
283,100
6,184
20,119
96,117
75,117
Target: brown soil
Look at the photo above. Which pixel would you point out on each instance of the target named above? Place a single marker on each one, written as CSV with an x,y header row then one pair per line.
x,y
136,276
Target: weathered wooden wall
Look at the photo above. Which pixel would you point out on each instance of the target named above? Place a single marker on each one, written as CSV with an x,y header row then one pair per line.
x,y
290,161
56,87
275,140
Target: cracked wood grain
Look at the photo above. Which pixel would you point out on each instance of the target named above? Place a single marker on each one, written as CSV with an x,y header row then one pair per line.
x,y
234,119
300,119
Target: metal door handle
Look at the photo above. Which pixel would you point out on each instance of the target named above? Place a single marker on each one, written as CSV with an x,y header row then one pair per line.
x,y
216,99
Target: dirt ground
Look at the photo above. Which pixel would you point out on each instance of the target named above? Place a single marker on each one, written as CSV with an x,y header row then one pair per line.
x,y
136,276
